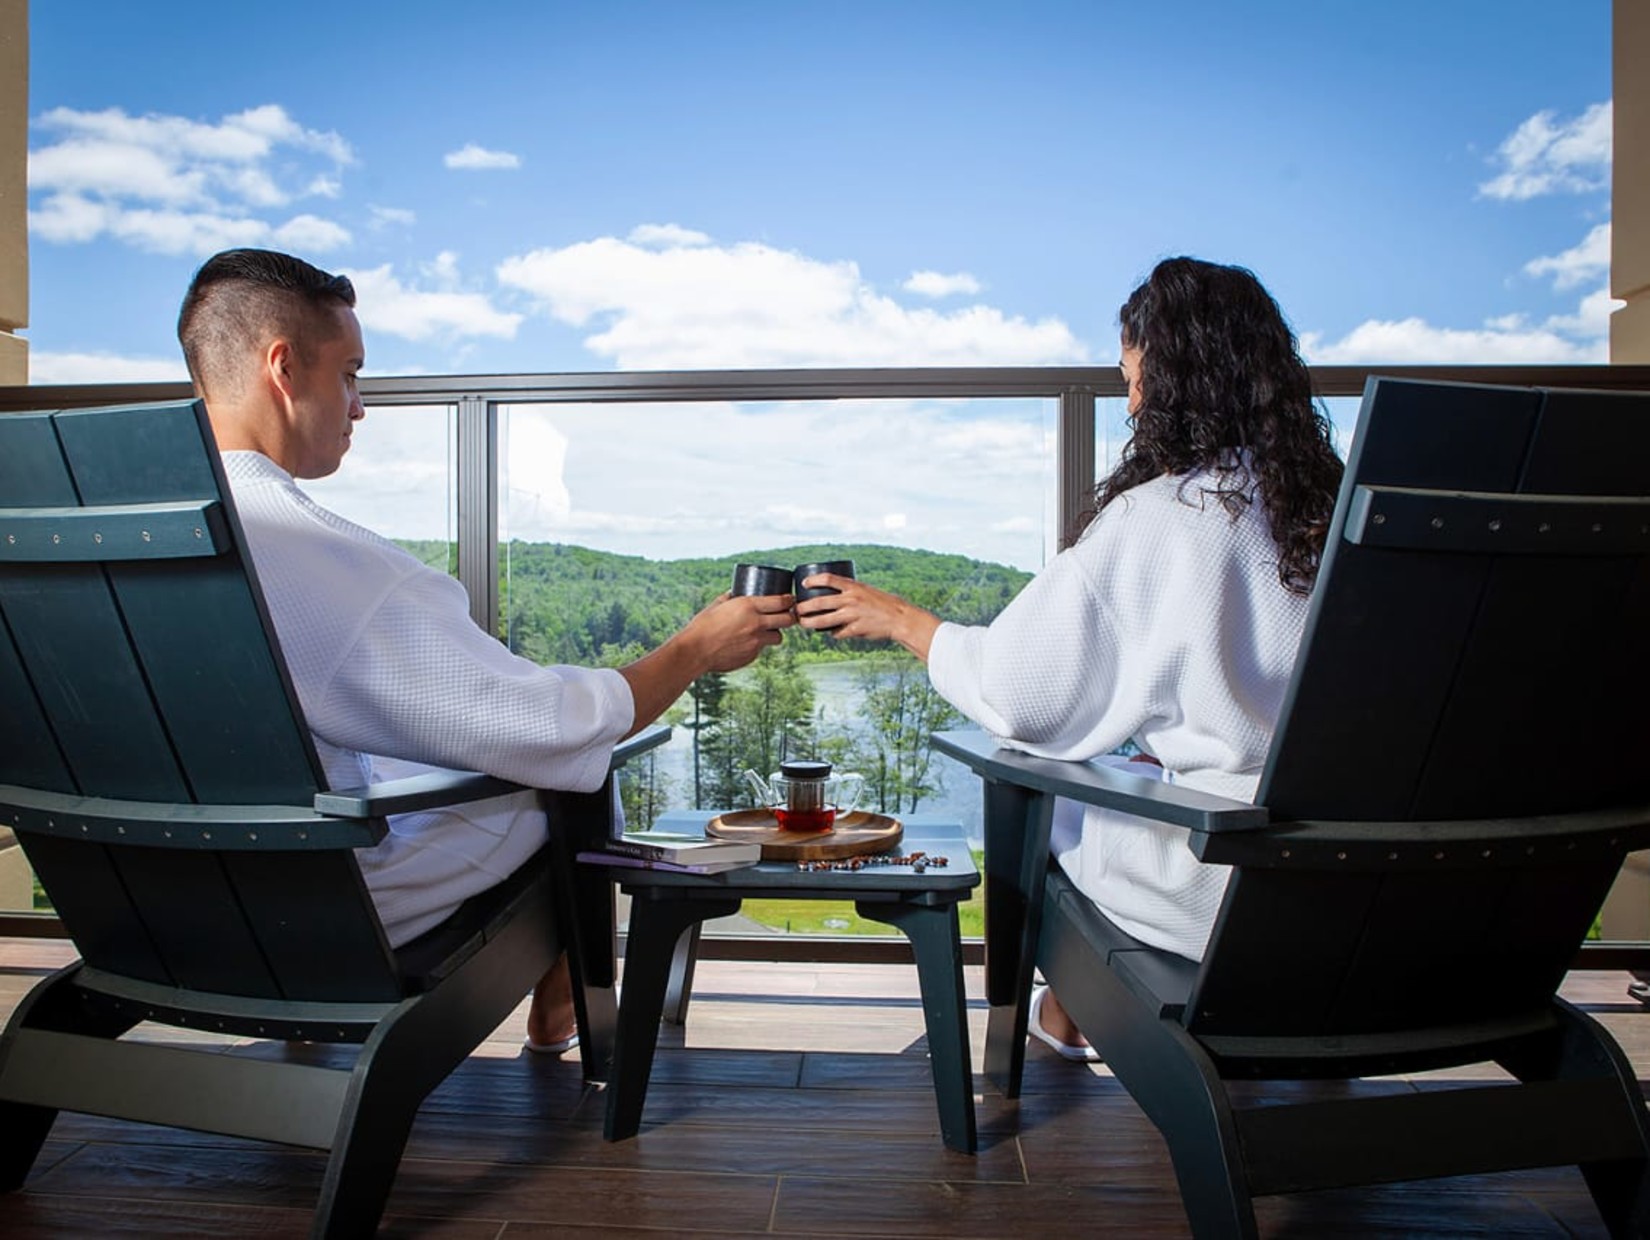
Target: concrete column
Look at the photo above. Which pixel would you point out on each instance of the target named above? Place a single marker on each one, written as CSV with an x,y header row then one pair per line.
x,y
14,167
1630,185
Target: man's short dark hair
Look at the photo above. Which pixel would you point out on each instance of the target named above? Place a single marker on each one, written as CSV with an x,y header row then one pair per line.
x,y
239,300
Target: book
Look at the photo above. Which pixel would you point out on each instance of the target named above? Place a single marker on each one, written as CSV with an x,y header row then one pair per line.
x,y
681,848
602,857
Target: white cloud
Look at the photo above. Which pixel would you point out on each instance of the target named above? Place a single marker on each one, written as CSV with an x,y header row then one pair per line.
x,y
180,186
1579,263
311,233
938,284
750,305
387,305
1543,157
666,235
103,368
472,157
1581,338
383,217
914,474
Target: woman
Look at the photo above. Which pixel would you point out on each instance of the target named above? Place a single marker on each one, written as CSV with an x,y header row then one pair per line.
x,y
1174,619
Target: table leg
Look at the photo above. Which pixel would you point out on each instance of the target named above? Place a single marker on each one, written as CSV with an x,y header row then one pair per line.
x,y
932,929
682,961
656,924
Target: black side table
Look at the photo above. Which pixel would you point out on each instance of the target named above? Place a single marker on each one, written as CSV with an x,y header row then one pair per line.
x,y
667,908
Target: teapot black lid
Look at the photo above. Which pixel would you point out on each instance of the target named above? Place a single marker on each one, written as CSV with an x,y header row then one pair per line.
x,y
805,769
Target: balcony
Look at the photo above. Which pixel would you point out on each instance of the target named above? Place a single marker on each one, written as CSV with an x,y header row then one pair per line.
x,y
797,1100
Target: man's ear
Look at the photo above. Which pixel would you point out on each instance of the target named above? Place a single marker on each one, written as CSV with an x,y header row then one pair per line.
x,y
279,363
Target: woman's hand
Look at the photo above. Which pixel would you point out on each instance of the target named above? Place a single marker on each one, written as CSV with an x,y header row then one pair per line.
x,y
866,612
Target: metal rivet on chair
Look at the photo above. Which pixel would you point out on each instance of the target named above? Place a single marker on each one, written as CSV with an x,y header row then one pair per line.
x,y
1392,856
1598,527
1495,524
1437,856
1485,853
145,535
1438,523
1544,527
197,531
57,538
1340,856
1286,853
96,537
1380,518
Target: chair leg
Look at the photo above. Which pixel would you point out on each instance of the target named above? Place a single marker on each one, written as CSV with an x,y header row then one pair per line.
x,y
932,930
23,1130
53,1003
1017,826
1583,1049
656,925
373,1130
1169,1076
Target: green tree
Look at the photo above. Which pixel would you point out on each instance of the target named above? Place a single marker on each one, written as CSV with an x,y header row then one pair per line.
x,y
902,710
645,792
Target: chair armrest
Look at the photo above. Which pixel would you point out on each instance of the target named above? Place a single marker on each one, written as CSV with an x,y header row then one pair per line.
x,y
634,746
415,792
1090,784
436,788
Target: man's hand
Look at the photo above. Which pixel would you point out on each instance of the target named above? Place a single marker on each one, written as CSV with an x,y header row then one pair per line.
x,y
733,631
725,636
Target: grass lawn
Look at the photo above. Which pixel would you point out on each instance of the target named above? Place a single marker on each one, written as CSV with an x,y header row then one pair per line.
x,y
839,917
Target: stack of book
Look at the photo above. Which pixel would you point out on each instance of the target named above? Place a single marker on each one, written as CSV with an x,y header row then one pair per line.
x,y
674,850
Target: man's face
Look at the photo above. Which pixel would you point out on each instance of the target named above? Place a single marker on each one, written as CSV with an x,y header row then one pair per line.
x,y
326,405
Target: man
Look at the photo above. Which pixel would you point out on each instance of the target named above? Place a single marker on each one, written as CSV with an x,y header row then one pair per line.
x,y
390,670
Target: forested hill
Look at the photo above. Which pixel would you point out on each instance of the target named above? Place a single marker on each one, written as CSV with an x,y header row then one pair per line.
x,y
567,604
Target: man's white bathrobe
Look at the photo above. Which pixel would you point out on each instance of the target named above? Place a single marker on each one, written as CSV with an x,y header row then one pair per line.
x,y
393,676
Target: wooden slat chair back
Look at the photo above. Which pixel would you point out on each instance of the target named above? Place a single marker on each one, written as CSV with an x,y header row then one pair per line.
x,y
137,665
1480,657
1456,777
156,767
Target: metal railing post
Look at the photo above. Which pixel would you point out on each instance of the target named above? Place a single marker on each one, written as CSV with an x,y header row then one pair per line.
x,y
476,484
1074,461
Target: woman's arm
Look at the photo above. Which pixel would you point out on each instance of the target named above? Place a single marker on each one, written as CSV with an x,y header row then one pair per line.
x,y
864,611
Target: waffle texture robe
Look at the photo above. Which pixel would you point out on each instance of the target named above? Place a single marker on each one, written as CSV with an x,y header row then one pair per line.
x,y
394,677
1166,624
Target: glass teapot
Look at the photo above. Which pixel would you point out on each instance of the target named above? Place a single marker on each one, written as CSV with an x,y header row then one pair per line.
x,y
805,796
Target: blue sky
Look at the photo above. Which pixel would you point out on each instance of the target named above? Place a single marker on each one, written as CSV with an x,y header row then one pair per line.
x,y
551,186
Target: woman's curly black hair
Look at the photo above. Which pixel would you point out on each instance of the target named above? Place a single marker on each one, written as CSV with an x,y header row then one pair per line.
x,y
1223,388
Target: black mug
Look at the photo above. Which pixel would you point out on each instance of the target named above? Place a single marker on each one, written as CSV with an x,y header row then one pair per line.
x,y
760,579
842,568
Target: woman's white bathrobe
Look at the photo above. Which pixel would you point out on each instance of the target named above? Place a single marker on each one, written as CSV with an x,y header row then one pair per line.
x,y
1166,623
393,675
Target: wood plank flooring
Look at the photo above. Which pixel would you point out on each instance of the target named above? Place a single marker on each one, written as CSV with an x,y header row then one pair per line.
x,y
797,1102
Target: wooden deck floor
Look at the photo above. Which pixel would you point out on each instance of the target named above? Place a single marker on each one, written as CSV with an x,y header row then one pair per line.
x,y
798,1103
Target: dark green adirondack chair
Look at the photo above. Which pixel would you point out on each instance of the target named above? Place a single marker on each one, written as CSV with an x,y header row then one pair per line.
x,y
1462,763
156,767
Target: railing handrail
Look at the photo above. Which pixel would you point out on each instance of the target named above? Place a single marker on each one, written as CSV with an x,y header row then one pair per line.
x,y
949,382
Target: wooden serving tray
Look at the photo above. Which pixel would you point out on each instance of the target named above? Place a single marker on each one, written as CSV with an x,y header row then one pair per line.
x,y
853,835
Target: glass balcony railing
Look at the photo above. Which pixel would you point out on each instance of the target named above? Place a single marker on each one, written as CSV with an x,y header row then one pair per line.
x,y
589,516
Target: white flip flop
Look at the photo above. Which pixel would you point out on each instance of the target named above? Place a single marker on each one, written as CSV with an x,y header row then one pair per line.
x,y
1066,1051
552,1048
